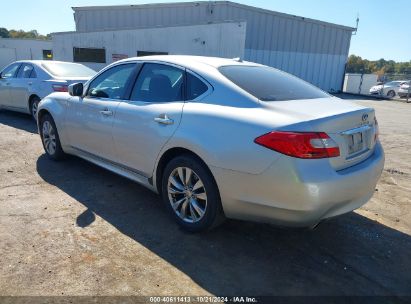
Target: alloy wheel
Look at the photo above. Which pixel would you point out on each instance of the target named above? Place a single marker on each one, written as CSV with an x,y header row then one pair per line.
x,y
187,194
49,137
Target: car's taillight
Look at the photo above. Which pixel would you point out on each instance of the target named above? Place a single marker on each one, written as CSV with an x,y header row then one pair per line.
x,y
300,144
377,129
60,88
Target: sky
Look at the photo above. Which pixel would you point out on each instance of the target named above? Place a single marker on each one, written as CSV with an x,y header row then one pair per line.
x,y
383,32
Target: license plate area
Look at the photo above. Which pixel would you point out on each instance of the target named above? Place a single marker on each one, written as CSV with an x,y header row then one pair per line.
x,y
356,143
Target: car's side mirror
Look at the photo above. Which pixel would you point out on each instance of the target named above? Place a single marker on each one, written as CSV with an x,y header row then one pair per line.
x,y
76,89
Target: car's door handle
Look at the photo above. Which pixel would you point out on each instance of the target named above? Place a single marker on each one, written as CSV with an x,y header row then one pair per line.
x,y
30,83
106,112
163,119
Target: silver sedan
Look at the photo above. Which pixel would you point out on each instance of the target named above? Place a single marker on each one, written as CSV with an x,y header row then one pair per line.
x,y
24,83
220,138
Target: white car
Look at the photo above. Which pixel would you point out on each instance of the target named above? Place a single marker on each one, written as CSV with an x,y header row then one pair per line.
x,y
405,90
389,89
24,83
220,138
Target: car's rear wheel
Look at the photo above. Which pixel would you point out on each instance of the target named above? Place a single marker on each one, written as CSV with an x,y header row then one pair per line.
x,y
50,138
391,94
191,194
34,104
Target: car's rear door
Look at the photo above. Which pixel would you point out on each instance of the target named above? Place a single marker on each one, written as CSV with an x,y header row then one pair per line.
x,y
145,123
21,88
89,119
8,76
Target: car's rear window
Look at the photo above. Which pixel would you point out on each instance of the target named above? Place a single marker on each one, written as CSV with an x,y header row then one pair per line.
x,y
67,69
269,84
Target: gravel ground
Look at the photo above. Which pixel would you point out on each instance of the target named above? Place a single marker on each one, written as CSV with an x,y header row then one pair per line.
x,y
71,228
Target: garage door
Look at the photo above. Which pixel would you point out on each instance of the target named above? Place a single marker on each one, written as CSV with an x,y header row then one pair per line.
x,y
7,56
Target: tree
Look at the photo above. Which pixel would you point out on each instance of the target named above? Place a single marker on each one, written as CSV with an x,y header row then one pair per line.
x,y
4,33
356,64
33,34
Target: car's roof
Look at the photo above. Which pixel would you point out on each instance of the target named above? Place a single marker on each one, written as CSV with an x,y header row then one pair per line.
x,y
193,61
43,61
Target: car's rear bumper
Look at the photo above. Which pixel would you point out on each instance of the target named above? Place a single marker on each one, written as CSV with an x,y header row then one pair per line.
x,y
296,192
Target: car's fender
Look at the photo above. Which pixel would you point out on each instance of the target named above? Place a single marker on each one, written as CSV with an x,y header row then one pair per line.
x,y
56,105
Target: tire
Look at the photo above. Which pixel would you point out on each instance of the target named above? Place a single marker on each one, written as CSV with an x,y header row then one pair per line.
x,y
195,202
34,104
391,94
50,138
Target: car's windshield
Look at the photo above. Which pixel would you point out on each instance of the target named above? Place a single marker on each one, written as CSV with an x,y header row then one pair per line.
x,y
269,84
67,69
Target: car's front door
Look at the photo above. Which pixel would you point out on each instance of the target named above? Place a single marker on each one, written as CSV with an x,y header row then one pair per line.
x,y
143,125
21,88
8,76
89,119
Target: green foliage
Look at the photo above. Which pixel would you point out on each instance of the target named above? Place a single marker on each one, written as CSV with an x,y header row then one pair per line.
x,y
356,64
33,34
4,33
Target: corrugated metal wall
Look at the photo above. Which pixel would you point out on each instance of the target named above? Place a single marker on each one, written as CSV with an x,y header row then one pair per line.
x,y
313,50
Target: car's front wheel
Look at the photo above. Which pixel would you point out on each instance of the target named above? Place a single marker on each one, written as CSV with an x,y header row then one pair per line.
x,y
50,138
391,94
191,194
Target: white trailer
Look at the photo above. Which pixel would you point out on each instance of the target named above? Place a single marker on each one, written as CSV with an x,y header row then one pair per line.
x,y
359,83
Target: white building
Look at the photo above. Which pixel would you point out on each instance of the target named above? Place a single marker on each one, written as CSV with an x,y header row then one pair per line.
x,y
98,48
23,49
313,50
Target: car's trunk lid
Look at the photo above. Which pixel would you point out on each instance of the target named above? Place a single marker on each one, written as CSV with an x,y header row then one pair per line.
x,y
350,125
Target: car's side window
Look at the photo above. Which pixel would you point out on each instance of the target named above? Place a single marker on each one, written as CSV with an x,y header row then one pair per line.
x,y
33,73
195,87
111,83
10,72
158,83
25,71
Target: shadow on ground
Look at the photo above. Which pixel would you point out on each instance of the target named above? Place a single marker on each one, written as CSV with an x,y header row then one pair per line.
x,y
349,255
18,120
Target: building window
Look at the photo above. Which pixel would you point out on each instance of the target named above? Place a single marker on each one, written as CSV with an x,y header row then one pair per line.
x,y
147,53
89,55
47,55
